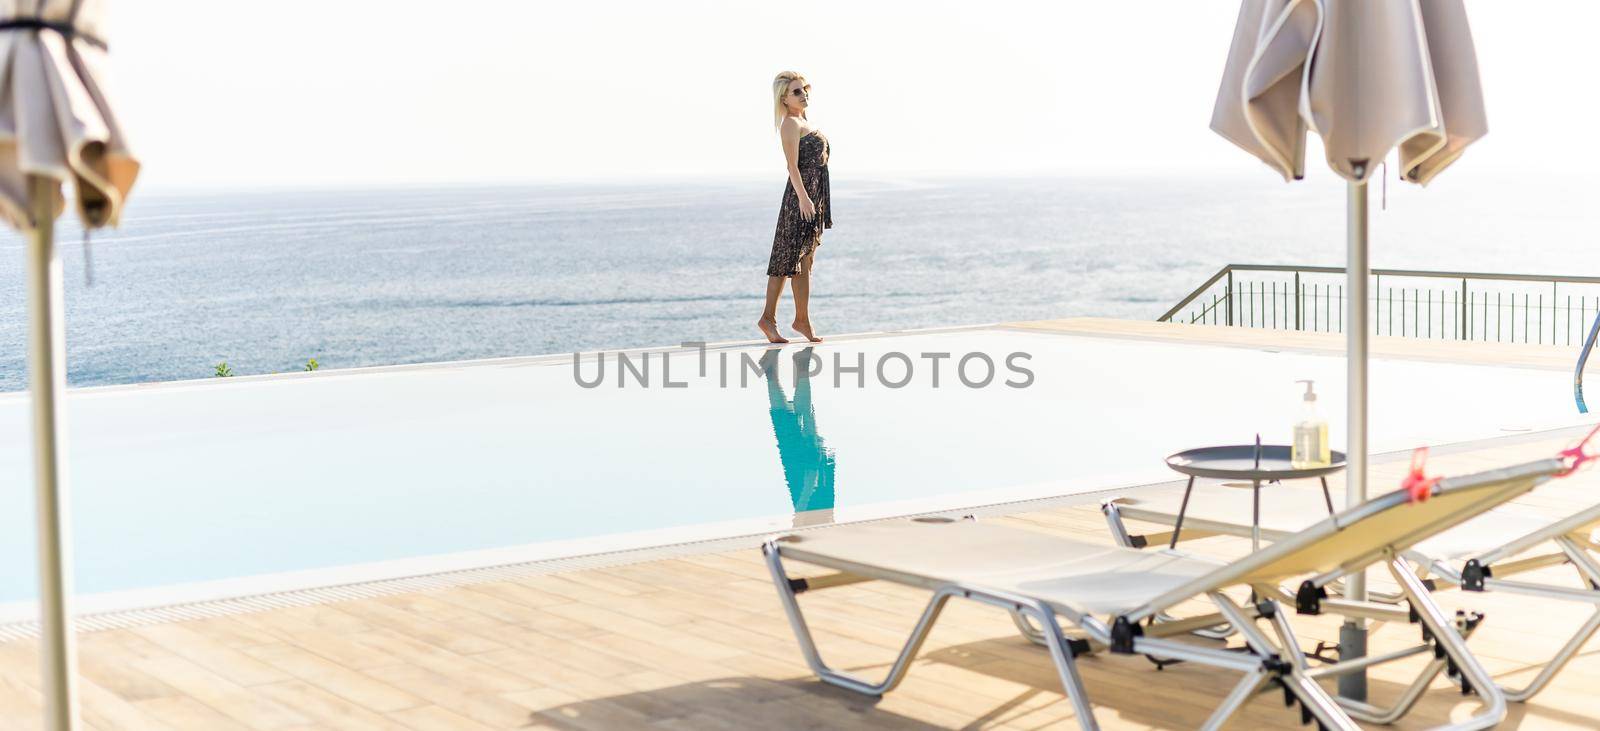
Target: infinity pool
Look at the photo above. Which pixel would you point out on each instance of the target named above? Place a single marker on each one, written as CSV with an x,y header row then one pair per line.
x,y
414,469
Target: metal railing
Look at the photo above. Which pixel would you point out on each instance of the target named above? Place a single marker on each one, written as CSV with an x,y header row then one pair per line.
x,y
1525,308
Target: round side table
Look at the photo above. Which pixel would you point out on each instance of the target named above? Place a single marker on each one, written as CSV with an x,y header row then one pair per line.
x,y
1245,462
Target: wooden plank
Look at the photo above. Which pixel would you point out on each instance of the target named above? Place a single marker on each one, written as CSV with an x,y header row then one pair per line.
x,y
326,708
201,650
434,718
185,712
104,709
345,682
21,706
226,697
458,694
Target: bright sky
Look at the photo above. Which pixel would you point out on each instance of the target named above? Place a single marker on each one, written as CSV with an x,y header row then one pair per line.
x,y
406,91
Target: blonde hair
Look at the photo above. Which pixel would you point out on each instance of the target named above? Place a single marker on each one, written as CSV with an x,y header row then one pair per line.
x,y
780,89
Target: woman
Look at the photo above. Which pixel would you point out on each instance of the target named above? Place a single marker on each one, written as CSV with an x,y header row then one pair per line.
x,y
805,211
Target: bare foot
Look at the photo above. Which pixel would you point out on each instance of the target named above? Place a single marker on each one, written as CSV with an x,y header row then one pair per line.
x,y
804,328
769,328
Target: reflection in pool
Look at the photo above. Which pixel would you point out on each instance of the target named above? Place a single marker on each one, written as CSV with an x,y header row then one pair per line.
x,y
808,464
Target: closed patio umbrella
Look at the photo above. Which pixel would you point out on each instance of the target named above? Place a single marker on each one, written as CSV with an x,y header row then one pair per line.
x,y
1369,78
56,127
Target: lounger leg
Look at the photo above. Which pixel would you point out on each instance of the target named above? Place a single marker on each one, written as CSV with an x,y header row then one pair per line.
x,y
808,646
1253,637
1573,552
1444,633
1585,564
1556,663
1318,702
1312,697
1243,692
1066,667
1363,711
1590,573
1119,530
1026,628
1029,632
1245,689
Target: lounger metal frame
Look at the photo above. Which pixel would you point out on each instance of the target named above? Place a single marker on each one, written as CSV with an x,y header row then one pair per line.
x,y
1570,537
1340,545
1574,548
1262,665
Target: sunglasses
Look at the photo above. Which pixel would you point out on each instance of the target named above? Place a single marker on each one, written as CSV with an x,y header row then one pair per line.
x,y
803,91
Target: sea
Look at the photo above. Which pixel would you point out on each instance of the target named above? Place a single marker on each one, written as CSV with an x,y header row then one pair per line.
x,y
267,280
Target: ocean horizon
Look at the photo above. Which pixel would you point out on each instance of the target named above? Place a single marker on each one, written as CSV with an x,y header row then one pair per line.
x,y
266,280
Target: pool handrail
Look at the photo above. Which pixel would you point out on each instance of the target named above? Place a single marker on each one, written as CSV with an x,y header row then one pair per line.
x,y
1583,357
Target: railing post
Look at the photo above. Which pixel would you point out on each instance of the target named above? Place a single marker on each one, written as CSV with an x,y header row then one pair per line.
x,y
1230,297
1463,322
1298,325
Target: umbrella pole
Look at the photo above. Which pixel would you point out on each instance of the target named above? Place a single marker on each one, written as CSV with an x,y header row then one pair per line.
x,y
1353,634
47,380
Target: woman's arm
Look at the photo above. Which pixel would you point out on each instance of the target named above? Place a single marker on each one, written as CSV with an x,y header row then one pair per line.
x,y
790,133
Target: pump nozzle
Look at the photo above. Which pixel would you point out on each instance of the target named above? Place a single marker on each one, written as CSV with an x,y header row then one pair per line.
x,y
1310,394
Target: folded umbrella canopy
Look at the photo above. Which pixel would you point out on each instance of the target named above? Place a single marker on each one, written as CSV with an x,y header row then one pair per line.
x,y
1369,78
56,127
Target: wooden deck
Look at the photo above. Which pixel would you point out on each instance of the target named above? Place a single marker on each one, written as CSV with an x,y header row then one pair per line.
x,y
701,643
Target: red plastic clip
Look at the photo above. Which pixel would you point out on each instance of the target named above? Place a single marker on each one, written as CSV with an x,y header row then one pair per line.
x,y
1417,484
1576,454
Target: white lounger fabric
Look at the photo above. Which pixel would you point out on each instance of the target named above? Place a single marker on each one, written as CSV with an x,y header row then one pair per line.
x,y
1072,576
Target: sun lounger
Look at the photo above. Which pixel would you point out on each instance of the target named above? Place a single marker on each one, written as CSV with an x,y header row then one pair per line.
x,y
1112,595
1480,555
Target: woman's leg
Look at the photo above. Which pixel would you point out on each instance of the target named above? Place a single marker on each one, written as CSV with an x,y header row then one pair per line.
x,y
801,284
769,314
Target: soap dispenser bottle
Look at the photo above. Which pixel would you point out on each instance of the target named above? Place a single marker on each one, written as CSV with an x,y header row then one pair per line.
x,y
1310,447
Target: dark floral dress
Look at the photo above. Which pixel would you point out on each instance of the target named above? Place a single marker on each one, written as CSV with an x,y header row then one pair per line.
x,y
796,236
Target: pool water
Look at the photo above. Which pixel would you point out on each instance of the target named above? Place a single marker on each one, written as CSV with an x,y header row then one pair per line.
x,y
206,480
